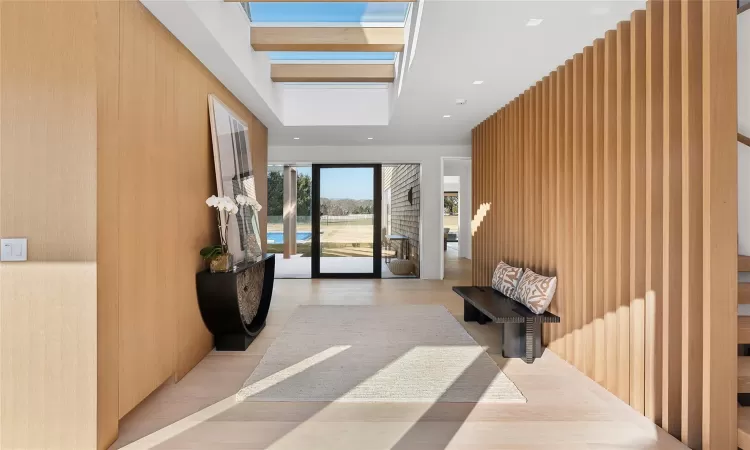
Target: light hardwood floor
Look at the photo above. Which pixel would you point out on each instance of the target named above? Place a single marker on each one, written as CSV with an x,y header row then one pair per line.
x,y
565,409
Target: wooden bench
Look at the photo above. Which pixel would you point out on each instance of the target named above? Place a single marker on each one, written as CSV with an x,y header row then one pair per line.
x,y
522,329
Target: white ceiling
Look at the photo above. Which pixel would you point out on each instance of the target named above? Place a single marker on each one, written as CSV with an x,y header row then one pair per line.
x,y
463,41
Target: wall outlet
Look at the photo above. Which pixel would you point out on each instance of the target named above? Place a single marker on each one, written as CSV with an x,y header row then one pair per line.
x,y
13,249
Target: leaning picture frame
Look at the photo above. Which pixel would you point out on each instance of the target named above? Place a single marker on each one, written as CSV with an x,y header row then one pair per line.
x,y
234,176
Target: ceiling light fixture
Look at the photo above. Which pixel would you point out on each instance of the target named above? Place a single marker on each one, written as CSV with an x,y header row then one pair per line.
x,y
460,101
534,22
478,82
447,116
296,139
369,139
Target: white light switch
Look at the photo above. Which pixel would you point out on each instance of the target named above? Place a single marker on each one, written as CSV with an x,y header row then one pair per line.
x,y
13,249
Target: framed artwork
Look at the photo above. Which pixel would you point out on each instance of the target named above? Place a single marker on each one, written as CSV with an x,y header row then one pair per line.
x,y
234,176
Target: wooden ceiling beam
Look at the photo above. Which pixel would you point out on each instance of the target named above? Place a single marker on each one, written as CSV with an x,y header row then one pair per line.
x,y
333,73
328,39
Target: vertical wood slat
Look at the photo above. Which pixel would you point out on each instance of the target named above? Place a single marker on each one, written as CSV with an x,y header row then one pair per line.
x,y
622,240
672,213
544,184
511,180
599,301
587,211
575,232
692,211
487,195
560,212
475,195
493,188
654,192
544,179
500,186
610,209
637,210
719,81
552,186
535,257
531,202
568,275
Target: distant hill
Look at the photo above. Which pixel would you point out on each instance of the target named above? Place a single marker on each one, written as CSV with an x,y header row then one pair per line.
x,y
344,206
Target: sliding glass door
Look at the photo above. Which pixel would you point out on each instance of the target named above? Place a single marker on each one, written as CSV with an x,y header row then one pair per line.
x,y
346,221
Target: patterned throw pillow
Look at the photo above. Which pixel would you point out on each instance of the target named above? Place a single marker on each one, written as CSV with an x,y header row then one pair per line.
x,y
536,291
506,278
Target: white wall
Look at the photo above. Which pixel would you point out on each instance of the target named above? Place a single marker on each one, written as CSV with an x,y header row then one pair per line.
x,y
451,183
462,169
332,106
431,160
743,125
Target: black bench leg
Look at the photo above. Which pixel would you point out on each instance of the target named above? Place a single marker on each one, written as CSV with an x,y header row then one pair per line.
x,y
533,341
471,314
522,340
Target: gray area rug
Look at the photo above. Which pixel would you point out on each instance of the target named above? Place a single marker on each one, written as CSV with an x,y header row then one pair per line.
x,y
366,354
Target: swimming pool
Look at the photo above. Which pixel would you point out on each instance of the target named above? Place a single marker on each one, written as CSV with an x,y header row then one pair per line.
x,y
278,238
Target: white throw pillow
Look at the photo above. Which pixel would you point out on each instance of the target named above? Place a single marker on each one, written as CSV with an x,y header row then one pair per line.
x,y
506,278
536,291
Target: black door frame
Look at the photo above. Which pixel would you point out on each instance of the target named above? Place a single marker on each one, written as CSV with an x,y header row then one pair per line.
x,y
377,222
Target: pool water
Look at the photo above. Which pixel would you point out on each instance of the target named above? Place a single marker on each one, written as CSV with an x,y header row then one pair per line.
x,y
278,238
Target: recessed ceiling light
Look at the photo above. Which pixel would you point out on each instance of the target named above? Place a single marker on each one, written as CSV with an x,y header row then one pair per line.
x,y
447,116
534,22
369,139
296,139
478,82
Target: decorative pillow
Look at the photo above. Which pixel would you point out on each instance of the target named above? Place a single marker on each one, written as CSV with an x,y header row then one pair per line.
x,y
506,278
536,291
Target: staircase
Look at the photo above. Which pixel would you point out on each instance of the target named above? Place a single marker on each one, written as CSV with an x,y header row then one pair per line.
x,y
743,262
743,363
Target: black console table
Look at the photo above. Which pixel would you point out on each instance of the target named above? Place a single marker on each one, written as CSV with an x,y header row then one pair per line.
x,y
234,305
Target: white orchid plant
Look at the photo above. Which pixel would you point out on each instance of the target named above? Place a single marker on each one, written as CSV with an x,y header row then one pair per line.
x,y
224,207
244,200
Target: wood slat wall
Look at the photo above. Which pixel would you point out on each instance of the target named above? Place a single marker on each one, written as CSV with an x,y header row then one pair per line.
x,y
616,173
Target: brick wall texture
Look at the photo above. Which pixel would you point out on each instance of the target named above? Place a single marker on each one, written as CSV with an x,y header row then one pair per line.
x,y
404,215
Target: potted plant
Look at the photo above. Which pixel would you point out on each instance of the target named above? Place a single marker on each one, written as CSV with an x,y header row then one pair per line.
x,y
218,256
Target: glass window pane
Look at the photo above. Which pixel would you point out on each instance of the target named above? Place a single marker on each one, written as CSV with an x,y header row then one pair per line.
x,y
346,221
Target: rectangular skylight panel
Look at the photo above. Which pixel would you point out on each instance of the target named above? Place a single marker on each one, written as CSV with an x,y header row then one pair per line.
x,y
335,12
331,56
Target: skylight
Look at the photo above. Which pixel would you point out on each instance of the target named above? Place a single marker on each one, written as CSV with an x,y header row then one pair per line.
x,y
332,56
338,12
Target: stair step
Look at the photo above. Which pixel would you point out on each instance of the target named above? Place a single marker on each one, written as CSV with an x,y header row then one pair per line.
x,y
743,263
743,329
743,293
743,428
743,375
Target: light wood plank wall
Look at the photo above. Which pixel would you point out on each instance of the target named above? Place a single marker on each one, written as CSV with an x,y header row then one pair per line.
x,y
48,181
106,162
617,173
156,146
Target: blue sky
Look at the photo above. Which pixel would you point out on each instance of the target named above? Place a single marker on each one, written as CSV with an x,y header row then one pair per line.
x,y
328,12
349,182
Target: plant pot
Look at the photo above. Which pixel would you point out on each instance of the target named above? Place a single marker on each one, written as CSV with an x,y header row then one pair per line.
x,y
222,263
